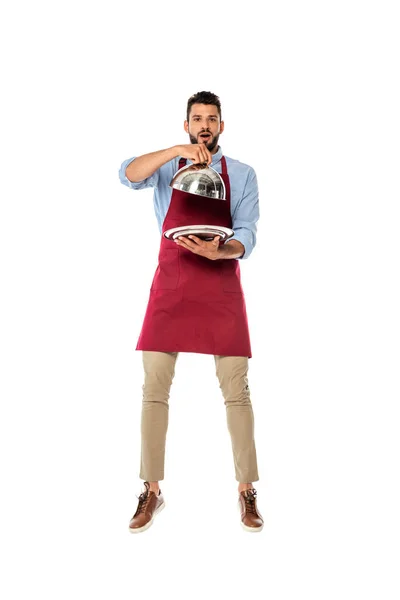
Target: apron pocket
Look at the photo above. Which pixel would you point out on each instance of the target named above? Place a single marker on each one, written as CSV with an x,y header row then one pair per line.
x,y
167,274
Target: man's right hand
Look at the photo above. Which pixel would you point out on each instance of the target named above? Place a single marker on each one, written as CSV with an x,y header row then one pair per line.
x,y
197,153
145,165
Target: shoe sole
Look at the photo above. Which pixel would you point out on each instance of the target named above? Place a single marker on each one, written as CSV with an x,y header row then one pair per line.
x,y
246,527
150,523
252,529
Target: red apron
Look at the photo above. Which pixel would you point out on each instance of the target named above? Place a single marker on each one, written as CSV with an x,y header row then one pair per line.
x,y
196,304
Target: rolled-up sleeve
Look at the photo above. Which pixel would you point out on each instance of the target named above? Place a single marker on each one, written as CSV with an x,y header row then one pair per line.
x,y
244,222
151,181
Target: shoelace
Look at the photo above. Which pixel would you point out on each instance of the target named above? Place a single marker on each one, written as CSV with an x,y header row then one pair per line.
x,y
143,499
250,501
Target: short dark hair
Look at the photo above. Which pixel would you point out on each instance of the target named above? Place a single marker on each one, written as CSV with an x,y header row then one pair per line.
x,y
203,98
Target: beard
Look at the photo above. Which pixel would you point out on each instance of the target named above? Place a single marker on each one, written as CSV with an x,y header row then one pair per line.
x,y
210,145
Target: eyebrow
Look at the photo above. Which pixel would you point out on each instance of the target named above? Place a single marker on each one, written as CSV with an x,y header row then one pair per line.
x,y
202,115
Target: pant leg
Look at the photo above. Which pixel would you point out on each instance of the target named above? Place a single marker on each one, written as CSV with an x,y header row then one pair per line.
x,y
159,371
232,375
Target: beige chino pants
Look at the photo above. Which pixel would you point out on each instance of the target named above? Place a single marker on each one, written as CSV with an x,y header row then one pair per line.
x,y
159,371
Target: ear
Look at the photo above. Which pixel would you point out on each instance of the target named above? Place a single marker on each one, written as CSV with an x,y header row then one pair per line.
x,y
186,126
221,126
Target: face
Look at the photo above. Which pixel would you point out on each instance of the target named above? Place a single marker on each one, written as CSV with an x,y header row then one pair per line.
x,y
204,126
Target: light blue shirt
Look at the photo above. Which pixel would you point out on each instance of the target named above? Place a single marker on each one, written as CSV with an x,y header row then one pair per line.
x,y
244,194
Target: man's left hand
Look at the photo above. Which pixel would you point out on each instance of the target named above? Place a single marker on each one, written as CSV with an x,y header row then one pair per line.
x,y
198,246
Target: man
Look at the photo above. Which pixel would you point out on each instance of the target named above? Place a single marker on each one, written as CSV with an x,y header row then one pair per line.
x,y
196,300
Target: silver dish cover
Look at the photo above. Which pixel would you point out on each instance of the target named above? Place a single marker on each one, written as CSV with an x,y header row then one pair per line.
x,y
199,180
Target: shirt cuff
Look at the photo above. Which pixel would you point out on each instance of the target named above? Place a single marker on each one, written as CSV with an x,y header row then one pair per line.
x,y
136,185
245,238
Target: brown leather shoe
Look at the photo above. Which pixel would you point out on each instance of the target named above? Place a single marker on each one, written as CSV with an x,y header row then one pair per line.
x,y
250,517
149,506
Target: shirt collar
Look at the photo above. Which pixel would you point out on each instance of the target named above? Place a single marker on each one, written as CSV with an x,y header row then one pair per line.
x,y
217,156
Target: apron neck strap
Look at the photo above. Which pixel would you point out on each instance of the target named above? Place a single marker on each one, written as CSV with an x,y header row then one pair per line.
x,y
223,166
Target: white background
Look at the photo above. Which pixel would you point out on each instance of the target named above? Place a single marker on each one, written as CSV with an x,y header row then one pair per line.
x,y
310,99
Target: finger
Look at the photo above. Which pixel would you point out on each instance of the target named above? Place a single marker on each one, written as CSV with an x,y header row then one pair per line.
x,y
199,157
200,150
185,243
216,240
208,156
205,154
193,242
196,239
